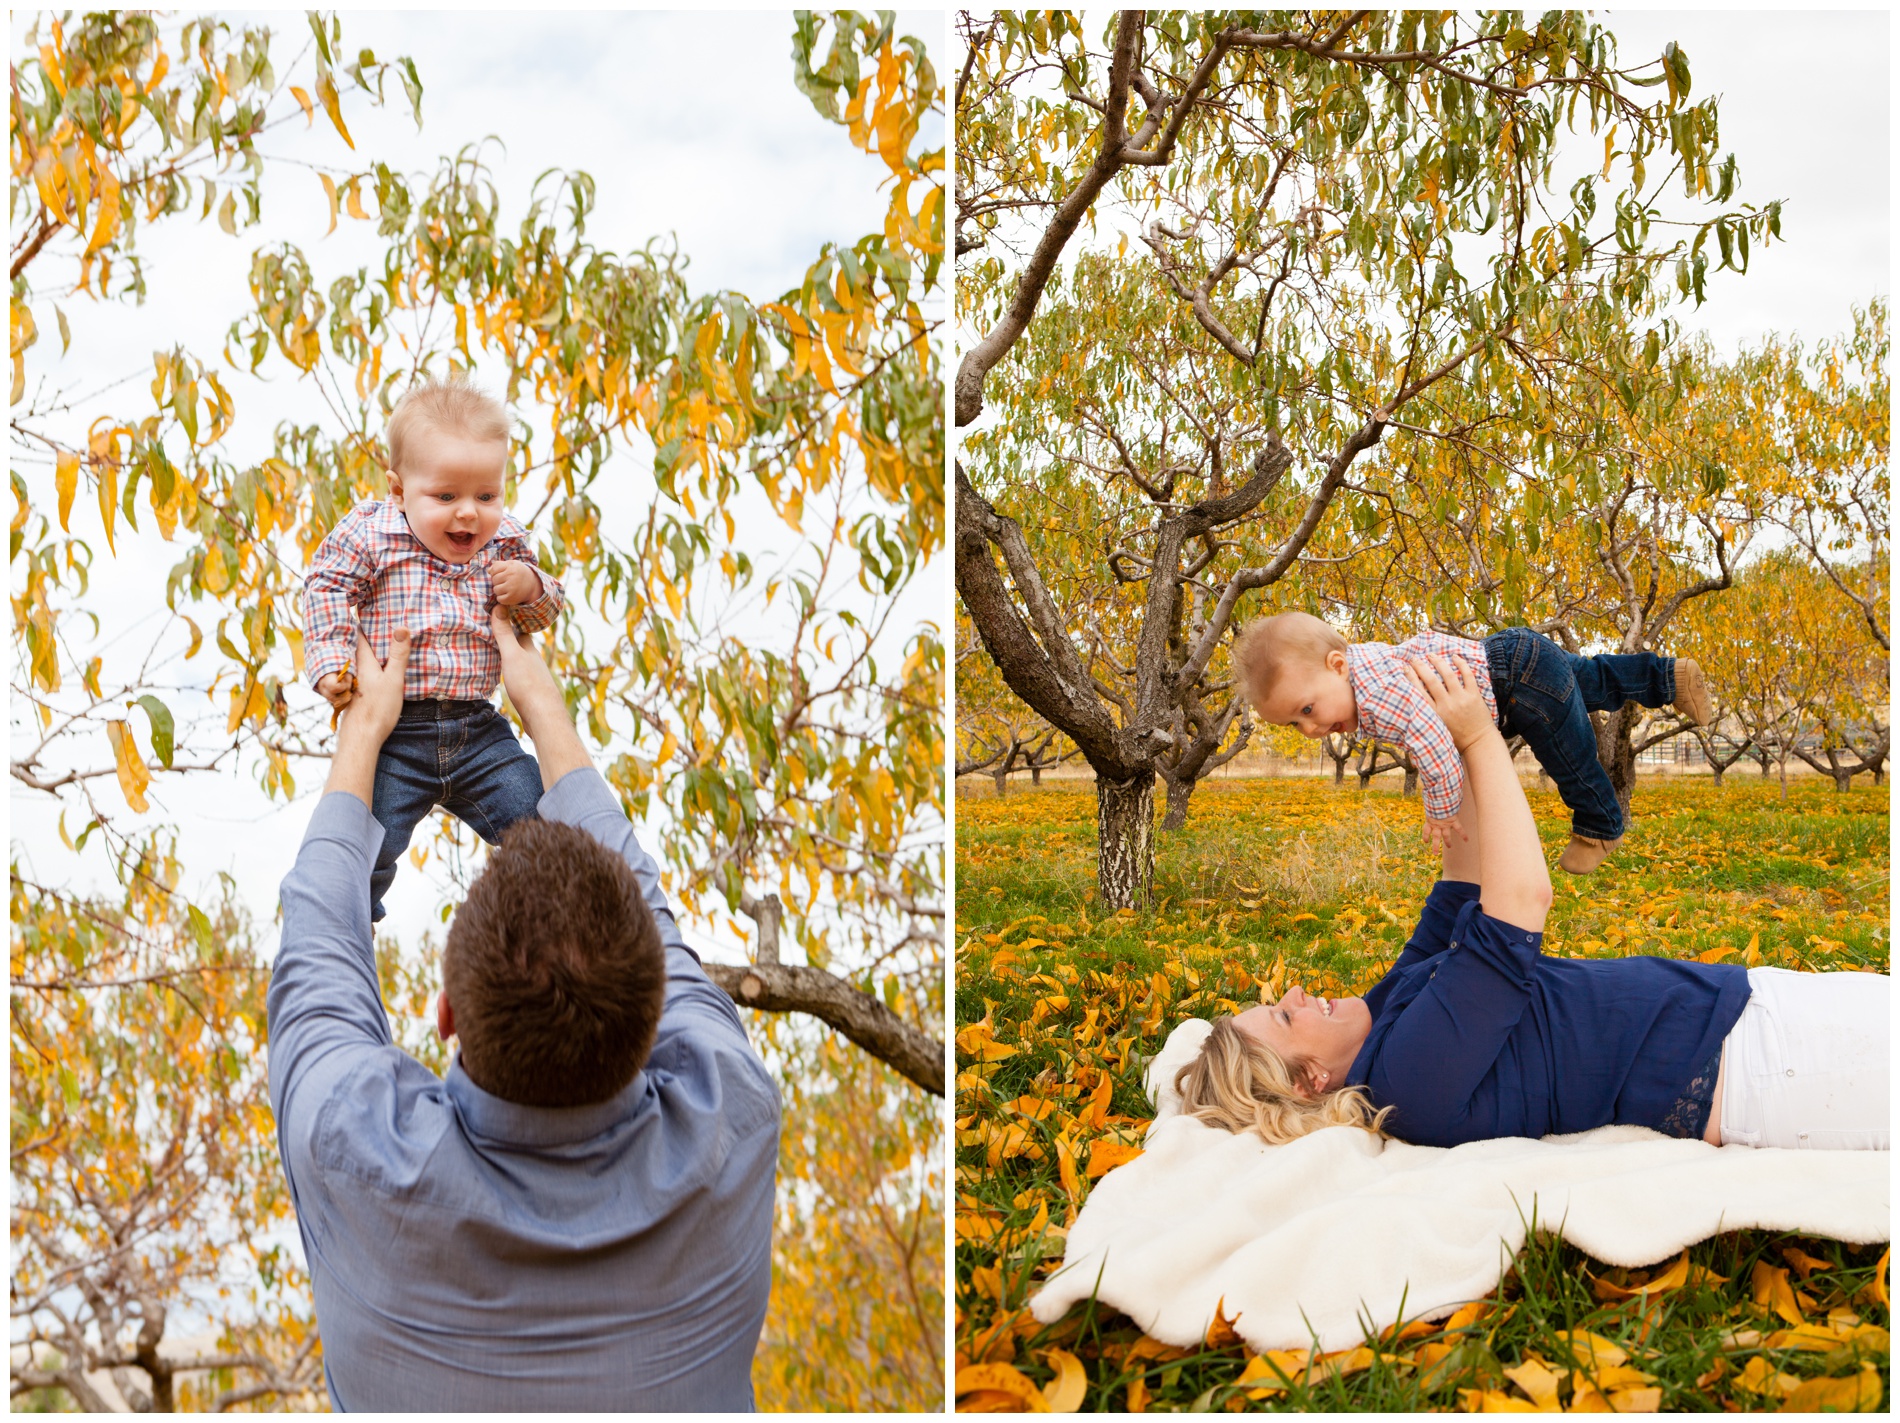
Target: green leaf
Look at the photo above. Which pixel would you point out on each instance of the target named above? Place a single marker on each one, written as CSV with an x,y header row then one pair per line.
x,y
161,719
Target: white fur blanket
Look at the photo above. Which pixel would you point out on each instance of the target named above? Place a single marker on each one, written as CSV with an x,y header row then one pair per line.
x,y
1338,1230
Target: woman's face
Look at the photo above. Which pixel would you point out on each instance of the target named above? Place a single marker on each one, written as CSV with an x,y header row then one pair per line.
x,y
1322,1035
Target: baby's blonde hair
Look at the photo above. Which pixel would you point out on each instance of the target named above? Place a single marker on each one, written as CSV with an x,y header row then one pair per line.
x,y
454,406
1241,1084
1269,647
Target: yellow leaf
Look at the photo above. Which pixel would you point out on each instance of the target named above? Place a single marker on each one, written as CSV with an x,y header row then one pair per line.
x,y
198,637
1591,1350
1769,1285
1858,1394
1875,1290
107,226
303,99
1538,1383
66,480
1810,1337
1002,1378
134,777
329,193
355,209
327,96
1760,1377
1636,1400
1220,1329
1491,1400
1273,1371
1106,1155
1065,1166
1064,1393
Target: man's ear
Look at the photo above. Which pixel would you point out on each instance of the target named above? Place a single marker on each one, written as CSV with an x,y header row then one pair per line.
x,y
444,1017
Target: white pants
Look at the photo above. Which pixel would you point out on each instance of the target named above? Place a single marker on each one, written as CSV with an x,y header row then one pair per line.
x,y
1806,1063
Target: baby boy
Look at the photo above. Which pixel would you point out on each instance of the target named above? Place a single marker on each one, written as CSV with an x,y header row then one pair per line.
x,y
434,558
1297,671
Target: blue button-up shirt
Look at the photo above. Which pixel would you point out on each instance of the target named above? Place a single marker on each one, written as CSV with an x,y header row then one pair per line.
x,y
1476,1034
471,1253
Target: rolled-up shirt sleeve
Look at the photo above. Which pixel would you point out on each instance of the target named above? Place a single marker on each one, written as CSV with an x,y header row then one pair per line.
x,y
1448,1037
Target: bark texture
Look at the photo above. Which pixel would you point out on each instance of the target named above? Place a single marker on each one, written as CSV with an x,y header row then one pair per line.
x,y
796,988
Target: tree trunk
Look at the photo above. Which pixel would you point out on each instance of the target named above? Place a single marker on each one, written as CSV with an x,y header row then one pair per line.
x,y
1124,820
1035,775
1177,791
1616,752
1002,780
1339,773
1411,781
1716,771
1784,778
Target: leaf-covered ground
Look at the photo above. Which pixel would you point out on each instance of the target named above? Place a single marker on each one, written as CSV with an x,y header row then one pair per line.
x,y
1277,881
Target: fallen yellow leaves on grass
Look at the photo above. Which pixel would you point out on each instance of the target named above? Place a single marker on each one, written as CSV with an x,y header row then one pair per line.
x,y
1050,1097
997,1388
1858,1393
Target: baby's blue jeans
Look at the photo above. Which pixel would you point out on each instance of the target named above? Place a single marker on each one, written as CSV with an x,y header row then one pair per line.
x,y
1546,695
460,755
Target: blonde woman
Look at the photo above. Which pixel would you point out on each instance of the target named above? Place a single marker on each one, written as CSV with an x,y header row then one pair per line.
x,y
1475,1034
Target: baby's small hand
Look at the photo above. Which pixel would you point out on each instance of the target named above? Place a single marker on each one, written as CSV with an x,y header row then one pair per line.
x,y
1438,833
338,688
514,583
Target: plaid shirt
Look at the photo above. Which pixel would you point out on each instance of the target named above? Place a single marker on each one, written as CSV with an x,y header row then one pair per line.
x,y
372,565
1395,711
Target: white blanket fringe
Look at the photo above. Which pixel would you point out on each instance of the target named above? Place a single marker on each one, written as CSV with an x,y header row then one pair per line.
x,y
1339,1231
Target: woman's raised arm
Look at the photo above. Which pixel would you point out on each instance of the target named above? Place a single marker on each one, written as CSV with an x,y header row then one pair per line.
x,y
1513,880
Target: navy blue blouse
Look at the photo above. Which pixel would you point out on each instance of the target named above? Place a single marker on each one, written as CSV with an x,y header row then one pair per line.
x,y
1475,1034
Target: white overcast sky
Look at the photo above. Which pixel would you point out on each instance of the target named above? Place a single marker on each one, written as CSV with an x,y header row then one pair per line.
x,y
1805,107
690,126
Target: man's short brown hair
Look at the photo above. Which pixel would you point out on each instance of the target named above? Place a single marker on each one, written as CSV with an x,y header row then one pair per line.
x,y
1269,647
554,970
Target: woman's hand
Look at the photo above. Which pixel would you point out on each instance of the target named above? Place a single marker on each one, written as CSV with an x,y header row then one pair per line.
x,y
1454,698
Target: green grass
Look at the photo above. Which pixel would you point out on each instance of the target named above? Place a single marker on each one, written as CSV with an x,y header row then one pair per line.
x,y
1281,880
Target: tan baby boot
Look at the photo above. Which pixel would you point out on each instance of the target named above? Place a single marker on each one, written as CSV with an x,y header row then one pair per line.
x,y
1584,853
1692,692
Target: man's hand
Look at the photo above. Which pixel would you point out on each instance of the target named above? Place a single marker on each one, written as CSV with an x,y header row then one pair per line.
x,y
371,716
543,711
514,582
1438,833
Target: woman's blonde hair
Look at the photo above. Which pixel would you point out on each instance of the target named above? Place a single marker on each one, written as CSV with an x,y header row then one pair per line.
x,y
1241,1084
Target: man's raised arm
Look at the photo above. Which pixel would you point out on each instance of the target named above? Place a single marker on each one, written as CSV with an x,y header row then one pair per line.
x,y
323,990
583,800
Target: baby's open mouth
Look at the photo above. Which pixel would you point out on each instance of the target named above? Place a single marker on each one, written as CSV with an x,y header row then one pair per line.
x,y
462,543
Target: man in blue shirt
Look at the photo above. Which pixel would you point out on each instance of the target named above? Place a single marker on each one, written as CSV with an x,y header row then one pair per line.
x,y
579,1215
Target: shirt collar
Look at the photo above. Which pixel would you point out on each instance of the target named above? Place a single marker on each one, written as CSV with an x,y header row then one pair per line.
x,y
495,1119
388,519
